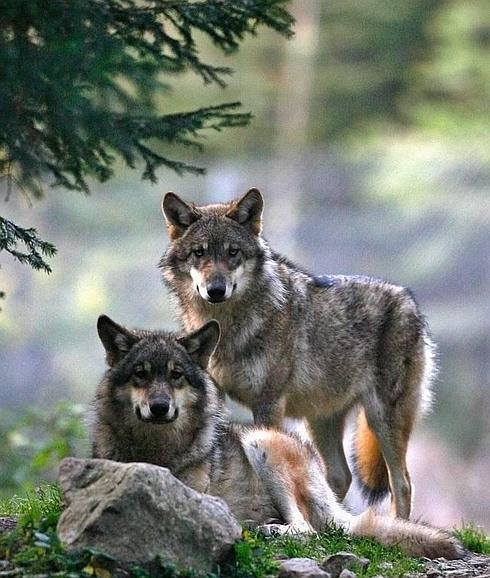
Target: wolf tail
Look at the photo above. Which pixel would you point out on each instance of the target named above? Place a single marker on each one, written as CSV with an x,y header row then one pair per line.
x,y
369,463
413,539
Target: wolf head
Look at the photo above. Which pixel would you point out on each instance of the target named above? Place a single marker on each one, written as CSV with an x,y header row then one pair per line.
x,y
159,375
215,250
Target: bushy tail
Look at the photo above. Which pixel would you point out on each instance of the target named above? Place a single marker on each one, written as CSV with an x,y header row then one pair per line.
x,y
369,463
413,539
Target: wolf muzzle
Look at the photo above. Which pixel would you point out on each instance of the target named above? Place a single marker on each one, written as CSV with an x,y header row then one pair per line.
x,y
161,410
216,289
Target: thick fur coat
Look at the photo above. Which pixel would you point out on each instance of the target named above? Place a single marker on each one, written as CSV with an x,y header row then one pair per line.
x,y
157,404
296,345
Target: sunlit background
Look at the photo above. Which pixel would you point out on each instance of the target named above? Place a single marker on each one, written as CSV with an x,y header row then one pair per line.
x,y
370,143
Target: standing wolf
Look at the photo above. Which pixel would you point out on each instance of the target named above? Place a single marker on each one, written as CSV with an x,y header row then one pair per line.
x,y
302,346
157,404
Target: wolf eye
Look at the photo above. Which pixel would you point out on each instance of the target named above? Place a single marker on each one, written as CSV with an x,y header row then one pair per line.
x,y
176,374
199,252
233,251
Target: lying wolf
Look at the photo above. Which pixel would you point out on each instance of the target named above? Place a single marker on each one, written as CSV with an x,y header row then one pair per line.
x,y
302,346
158,404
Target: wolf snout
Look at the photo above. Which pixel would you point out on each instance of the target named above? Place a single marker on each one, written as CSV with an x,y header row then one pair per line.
x,y
159,408
216,290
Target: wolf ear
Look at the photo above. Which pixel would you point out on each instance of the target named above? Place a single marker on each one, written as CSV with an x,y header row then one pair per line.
x,y
248,211
201,344
116,340
178,215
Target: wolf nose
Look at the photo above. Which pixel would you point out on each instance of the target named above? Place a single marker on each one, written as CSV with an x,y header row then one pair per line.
x,y
216,290
160,408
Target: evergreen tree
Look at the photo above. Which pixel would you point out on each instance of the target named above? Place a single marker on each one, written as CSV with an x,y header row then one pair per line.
x,y
78,81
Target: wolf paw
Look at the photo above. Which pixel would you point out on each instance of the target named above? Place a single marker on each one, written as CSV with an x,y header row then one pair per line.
x,y
272,530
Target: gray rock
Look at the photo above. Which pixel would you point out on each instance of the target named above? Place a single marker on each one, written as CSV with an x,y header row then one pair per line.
x,y
472,566
136,512
347,574
335,563
7,524
301,568
433,573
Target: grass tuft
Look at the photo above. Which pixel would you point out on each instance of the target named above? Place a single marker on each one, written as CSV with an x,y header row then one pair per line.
x,y
474,538
42,504
257,556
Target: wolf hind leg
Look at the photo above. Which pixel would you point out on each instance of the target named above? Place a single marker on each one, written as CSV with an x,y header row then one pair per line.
x,y
328,434
285,465
392,425
398,391
392,407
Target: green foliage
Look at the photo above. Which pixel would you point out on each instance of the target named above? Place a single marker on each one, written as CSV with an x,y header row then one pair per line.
x,y
35,442
366,57
254,556
36,549
34,544
79,84
35,249
451,85
474,538
42,505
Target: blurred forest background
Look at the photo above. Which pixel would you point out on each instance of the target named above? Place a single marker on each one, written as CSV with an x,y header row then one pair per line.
x,y
370,142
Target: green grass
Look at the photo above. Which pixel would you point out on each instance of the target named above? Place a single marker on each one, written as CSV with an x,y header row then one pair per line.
x,y
44,503
474,538
35,547
257,556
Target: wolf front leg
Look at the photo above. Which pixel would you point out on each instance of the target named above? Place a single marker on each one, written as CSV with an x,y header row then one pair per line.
x,y
328,433
269,411
196,477
284,466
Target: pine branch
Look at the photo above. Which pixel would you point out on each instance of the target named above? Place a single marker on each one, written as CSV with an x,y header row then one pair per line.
x,y
34,247
66,113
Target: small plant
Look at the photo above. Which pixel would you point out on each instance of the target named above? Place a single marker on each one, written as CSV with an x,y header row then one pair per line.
x,y
34,544
44,503
474,538
254,557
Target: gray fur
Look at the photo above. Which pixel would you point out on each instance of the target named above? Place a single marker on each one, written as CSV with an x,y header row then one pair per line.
x,y
302,346
261,473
